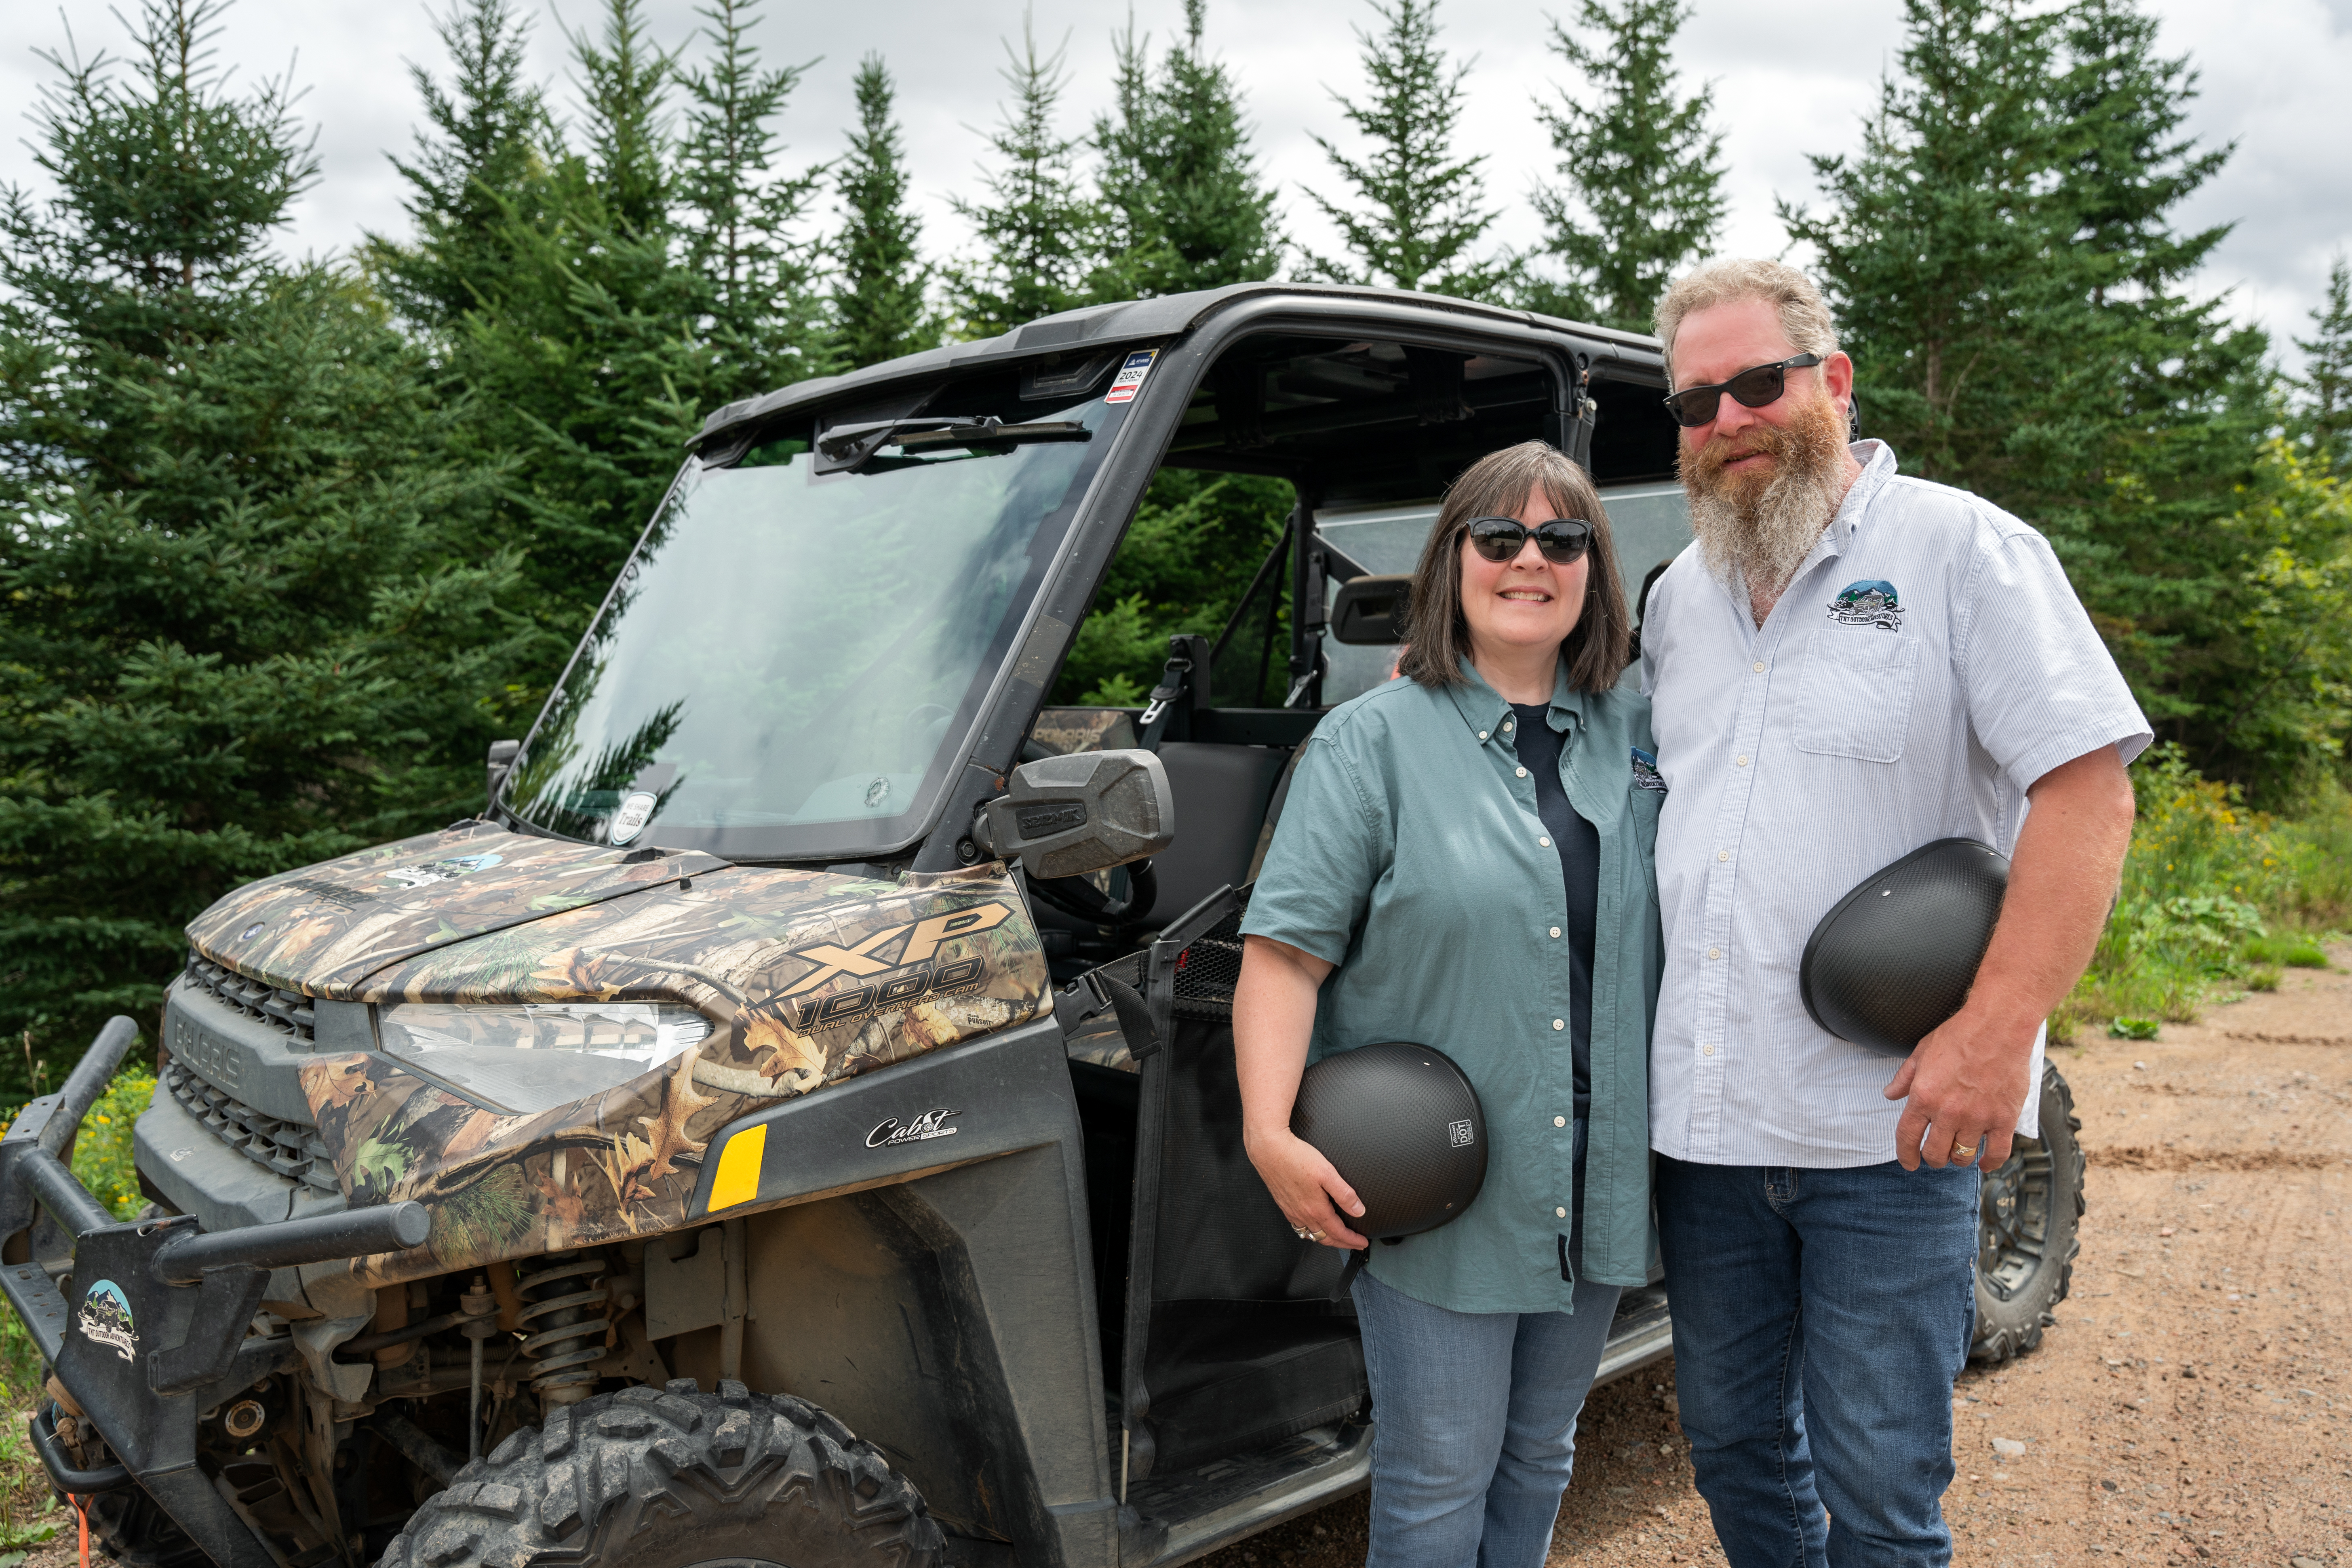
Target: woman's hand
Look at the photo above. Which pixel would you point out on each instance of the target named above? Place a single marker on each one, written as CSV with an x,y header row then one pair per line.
x,y
1311,1194
1274,1014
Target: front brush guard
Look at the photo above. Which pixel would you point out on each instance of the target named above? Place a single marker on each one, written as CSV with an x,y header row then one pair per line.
x,y
159,1331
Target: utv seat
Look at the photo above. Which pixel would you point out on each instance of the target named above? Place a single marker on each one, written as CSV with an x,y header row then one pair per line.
x,y
1221,794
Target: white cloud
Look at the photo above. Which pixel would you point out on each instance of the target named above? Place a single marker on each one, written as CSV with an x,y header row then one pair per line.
x,y
1790,80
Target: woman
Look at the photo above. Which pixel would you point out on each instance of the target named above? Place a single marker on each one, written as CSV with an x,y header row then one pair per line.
x,y
1463,862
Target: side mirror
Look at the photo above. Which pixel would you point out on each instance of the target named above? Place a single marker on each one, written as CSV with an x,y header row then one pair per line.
x,y
502,756
1371,611
1064,816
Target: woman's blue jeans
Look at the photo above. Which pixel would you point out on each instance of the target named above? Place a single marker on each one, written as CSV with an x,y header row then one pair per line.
x,y
1474,1425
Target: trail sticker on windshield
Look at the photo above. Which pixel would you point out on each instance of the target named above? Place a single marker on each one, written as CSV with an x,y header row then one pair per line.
x,y
634,813
1130,375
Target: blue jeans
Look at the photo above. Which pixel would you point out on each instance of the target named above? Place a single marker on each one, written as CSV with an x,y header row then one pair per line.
x,y
1474,1425
1819,1319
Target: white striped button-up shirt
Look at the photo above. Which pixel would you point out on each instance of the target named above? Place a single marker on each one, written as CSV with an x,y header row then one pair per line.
x,y
1927,663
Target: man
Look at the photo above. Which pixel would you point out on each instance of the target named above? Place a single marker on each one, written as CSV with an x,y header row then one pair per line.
x,y
1847,664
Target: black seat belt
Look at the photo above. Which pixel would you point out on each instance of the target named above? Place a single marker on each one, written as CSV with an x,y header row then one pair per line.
x,y
1178,693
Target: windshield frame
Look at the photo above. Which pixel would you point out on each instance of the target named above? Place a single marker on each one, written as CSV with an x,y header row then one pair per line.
x,y
857,840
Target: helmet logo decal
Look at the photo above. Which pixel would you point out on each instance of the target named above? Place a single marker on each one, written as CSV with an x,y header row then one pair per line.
x,y
1869,603
1458,1134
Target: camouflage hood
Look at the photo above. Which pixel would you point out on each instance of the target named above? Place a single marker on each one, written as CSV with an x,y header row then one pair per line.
x,y
808,978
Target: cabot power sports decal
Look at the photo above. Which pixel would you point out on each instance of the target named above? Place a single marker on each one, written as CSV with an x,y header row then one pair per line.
x,y
810,978
105,1320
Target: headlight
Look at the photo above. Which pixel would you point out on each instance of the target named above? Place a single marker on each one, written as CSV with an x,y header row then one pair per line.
x,y
537,1055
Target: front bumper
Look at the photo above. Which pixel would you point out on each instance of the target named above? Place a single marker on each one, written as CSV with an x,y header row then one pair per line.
x,y
152,1325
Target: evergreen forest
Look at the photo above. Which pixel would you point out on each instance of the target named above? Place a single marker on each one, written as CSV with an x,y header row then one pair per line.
x,y
285,543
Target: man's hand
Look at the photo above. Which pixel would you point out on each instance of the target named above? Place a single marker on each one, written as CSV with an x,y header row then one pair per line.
x,y
1968,1081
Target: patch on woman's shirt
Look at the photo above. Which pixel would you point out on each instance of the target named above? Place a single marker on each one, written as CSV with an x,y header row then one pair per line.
x,y
1645,771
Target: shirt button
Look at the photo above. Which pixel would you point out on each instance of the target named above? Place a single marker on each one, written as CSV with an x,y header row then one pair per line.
x,y
1560,1213
1758,666
1714,952
1742,761
1706,1050
1482,734
1555,932
1560,1122
1523,773
1507,726
1723,853
1545,842
1560,1024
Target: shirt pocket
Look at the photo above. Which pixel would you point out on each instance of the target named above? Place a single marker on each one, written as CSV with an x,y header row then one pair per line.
x,y
1855,698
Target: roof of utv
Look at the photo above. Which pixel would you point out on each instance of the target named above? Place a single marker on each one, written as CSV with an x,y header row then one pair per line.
x,y
1105,326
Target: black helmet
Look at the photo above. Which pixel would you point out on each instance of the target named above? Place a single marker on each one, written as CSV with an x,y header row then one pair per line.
x,y
1895,957
1401,1125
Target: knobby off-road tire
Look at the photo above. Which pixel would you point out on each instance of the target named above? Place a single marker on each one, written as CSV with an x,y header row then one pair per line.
x,y
2029,1230
665,1478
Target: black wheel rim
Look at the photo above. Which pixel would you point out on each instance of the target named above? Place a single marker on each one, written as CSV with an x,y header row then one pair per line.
x,y
2013,1226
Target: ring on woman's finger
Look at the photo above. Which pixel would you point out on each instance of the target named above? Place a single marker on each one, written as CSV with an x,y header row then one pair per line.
x,y
1299,1231
1315,1234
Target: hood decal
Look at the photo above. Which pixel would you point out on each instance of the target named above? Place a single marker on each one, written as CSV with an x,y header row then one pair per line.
x,y
952,958
324,929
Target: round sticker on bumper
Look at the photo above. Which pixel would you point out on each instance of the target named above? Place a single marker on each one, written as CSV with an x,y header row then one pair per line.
x,y
630,819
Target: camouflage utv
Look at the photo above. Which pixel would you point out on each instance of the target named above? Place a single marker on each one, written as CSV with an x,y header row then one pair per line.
x,y
797,1124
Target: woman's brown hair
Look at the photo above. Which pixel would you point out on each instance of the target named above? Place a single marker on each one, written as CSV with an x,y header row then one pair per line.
x,y
1495,486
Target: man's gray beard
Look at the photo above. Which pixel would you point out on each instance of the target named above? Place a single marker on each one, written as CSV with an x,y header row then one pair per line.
x,y
1765,543
1765,539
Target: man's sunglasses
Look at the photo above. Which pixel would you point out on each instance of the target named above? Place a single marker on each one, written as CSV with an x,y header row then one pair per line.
x,y
1756,387
1499,539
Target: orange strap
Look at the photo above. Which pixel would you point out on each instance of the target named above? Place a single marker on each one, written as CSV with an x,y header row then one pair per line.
x,y
81,1511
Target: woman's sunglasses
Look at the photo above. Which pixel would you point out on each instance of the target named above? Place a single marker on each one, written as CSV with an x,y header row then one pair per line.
x,y
1562,540
1756,387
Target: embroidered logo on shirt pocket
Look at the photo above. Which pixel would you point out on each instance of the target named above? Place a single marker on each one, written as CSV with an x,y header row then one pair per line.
x,y
1855,698
1645,773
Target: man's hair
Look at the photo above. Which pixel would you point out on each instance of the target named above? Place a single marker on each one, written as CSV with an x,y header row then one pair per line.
x,y
1495,485
1804,315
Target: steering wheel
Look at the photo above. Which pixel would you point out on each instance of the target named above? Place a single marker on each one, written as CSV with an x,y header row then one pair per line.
x,y
1076,895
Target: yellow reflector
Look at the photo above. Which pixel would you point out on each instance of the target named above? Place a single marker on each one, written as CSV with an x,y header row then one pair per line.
x,y
738,1181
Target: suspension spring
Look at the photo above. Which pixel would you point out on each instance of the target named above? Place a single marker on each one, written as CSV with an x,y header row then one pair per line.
x,y
563,1321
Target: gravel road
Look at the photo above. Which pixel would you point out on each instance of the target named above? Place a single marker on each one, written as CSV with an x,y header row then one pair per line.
x,y
2193,1404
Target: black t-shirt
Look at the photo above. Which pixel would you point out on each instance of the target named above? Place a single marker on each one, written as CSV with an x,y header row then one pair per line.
x,y
1579,843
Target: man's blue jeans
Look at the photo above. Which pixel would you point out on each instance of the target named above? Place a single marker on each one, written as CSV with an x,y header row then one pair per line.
x,y
1819,1319
1474,1424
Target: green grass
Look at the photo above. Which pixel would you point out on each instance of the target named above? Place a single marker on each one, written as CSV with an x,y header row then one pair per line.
x,y
102,1159
2216,899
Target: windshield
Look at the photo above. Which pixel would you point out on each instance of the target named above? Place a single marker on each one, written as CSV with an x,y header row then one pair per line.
x,y
791,659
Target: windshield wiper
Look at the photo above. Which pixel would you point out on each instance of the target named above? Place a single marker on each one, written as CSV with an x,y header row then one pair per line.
x,y
847,445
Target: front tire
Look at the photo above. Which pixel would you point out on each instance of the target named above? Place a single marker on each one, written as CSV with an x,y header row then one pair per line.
x,y
2029,1230
672,1477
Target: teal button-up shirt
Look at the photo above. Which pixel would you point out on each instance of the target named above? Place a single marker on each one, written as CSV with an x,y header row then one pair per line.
x,y
1410,855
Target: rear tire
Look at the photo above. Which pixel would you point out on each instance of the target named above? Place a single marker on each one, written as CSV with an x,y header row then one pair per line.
x,y
668,1477
2029,1230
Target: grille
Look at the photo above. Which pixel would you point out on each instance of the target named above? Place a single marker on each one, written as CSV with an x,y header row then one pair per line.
x,y
1208,970
288,1011
291,1149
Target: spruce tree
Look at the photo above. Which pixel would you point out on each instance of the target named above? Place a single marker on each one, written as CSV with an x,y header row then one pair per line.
x,y
1941,252
252,620
1180,188
879,293
1639,194
1418,209
1038,233
482,161
763,309
2324,412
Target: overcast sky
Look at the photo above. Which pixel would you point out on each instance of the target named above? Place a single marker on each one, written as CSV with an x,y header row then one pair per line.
x,y
1791,79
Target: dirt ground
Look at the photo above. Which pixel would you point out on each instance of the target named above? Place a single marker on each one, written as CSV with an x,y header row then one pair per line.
x,y
2194,1402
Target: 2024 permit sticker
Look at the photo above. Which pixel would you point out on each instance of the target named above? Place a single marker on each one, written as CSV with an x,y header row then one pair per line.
x,y
1129,380
106,1320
